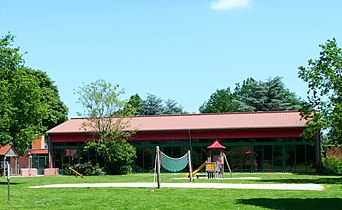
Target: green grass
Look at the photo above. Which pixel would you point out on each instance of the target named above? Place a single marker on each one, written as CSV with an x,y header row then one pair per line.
x,y
170,198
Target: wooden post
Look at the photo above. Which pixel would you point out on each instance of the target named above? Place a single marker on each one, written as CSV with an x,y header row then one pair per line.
x,y
221,160
225,157
318,153
158,166
190,166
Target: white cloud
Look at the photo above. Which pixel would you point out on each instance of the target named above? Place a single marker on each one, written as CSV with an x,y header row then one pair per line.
x,y
229,4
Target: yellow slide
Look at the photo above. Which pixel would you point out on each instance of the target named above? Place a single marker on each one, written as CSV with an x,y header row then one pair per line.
x,y
197,170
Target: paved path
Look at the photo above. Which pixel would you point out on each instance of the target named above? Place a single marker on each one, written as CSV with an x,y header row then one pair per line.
x,y
315,187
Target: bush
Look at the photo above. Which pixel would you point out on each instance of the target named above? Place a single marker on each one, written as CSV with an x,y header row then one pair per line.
x,y
86,169
332,165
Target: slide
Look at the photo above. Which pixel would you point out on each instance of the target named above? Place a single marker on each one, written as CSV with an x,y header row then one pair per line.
x,y
197,170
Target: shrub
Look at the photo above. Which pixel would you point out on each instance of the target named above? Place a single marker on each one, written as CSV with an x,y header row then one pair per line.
x,y
332,165
86,169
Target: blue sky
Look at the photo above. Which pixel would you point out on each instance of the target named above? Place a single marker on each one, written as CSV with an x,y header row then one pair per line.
x,y
182,50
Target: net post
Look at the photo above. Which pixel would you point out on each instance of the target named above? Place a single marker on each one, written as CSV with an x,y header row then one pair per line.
x,y
190,166
158,166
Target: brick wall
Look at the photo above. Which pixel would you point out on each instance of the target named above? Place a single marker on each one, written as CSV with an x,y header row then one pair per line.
x,y
334,151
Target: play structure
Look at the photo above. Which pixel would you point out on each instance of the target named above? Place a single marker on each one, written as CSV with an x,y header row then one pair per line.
x,y
214,165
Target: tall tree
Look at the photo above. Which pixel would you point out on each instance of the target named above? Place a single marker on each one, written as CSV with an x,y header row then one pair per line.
x,y
153,105
252,96
108,122
171,107
135,105
24,103
219,102
271,95
324,78
57,111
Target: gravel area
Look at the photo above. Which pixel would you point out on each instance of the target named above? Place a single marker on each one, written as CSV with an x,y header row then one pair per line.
x,y
314,187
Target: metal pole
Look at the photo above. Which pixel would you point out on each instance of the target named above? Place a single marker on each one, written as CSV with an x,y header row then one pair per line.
x,y
158,166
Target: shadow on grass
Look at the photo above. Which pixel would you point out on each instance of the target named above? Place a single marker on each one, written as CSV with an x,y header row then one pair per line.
x,y
294,204
5,183
325,180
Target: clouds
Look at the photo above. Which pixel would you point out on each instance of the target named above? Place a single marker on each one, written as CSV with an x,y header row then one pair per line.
x,y
230,4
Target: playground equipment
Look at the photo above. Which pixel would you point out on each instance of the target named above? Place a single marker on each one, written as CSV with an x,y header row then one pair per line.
x,y
214,166
75,172
171,164
197,170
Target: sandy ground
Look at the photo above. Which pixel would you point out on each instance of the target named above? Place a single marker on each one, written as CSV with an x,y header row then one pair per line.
x,y
314,187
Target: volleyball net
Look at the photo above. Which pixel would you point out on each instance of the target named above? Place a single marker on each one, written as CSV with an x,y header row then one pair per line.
x,y
171,164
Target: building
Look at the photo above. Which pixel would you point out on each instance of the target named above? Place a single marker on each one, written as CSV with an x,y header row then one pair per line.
x,y
36,157
254,141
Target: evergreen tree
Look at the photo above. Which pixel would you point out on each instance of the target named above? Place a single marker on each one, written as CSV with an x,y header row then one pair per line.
x,y
171,107
252,96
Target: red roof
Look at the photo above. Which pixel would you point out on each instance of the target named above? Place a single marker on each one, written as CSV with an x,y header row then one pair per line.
x,y
4,149
223,121
216,145
39,151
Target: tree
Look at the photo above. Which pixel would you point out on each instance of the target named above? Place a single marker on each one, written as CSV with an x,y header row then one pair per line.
x,y
271,95
252,96
153,105
135,105
324,78
25,105
57,111
219,102
109,124
171,107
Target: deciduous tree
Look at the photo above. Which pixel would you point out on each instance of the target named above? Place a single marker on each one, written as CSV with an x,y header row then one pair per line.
x,y
324,78
110,125
219,102
28,105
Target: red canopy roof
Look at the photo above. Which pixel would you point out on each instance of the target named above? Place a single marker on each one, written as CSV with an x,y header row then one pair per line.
x,y
216,145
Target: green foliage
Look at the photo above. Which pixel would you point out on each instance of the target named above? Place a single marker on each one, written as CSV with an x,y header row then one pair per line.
x,y
118,154
332,165
86,169
57,112
171,107
110,125
265,96
219,102
152,105
251,96
26,105
134,106
324,78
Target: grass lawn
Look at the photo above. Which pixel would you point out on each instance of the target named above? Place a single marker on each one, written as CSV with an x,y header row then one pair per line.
x,y
170,198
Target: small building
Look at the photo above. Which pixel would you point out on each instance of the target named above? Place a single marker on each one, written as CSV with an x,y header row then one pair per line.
x,y
35,157
8,155
272,140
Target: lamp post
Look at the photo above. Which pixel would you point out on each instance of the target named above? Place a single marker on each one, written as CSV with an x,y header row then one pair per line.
x,y
8,181
30,163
